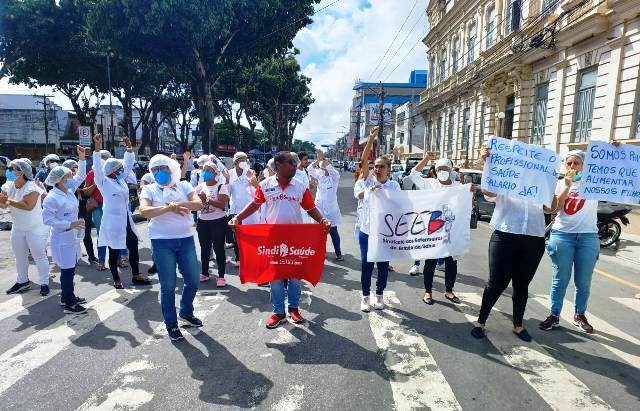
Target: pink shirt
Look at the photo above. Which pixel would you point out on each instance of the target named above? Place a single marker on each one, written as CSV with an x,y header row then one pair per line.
x,y
210,212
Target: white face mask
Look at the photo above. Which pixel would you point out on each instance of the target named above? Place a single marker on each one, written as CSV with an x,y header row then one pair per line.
x,y
244,165
443,175
53,164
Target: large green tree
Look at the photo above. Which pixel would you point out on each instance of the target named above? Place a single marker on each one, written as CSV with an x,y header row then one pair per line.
x,y
201,37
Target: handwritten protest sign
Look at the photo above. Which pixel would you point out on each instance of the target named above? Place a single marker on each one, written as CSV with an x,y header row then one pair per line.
x,y
611,173
421,224
520,170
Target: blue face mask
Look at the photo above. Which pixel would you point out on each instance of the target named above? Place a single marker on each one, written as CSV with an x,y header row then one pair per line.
x,y
162,177
207,175
70,184
120,177
10,176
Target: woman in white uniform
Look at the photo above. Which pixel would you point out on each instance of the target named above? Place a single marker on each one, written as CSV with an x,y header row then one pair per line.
x,y
118,230
60,212
22,197
327,196
167,204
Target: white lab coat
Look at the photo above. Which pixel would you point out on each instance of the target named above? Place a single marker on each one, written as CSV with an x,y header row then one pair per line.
x,y
115,206
59,210
327,193
241,193
81,174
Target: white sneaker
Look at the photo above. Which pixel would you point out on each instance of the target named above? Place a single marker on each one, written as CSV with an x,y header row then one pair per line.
x,y
379,302
364,304
414,270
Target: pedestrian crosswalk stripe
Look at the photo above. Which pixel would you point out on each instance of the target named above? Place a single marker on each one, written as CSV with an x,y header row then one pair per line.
x,y
416,380
122,390
631,303
551,380
43,345
17,303
599,325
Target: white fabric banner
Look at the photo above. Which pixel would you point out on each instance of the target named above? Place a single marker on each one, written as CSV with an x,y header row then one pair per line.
x,y
611,173
520,170
419,224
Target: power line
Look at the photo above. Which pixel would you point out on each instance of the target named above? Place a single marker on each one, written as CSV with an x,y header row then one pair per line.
x,y
405,56
401,44
394,39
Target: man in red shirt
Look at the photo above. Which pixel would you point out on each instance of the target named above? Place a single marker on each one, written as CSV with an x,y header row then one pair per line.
x,y
283,198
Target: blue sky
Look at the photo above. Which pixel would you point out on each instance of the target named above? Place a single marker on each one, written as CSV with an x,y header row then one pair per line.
x,y
345,43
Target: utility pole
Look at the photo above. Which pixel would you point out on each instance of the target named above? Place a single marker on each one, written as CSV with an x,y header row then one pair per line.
x,y
46,120
380,118
111,129
410,124
356,138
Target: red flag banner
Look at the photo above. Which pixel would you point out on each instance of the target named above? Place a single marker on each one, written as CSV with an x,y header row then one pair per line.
x,y
280,251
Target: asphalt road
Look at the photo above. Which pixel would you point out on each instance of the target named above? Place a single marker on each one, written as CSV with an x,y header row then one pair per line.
x,y
409,356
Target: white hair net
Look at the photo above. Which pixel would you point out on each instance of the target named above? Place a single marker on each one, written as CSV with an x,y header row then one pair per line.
x,y
202,160
50,157
26,160
575,153
239,155
111,165
56,174
444,162
272,164
161,160
105,154
25,167
211,165
148,178
70,164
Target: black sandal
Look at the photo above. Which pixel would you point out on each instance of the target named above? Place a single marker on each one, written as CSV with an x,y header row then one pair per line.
x,y
141,282
523,335
478,332
427,300
453,299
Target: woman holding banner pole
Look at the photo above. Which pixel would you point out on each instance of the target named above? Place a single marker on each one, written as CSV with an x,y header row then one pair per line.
x,y
573,244
443,180
378,181
515,250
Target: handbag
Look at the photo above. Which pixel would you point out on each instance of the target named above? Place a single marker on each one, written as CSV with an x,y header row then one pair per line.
x,y
92,204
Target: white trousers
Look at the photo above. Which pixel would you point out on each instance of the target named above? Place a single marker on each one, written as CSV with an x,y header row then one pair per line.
x,y
35,240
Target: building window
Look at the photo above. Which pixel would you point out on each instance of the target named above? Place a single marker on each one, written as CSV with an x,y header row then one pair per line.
x,y
443,65
483,113
549,6
439,132
637,134
491,25
471,43
429,135
514,16
455,55
466,128
452,120
585,99
508,116
432,72
540,113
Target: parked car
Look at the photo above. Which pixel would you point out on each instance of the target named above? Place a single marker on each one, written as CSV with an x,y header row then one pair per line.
x,y
483,207
396,173
407,184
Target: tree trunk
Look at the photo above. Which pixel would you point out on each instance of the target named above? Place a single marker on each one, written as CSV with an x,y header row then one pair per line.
x,y
205,104
252,134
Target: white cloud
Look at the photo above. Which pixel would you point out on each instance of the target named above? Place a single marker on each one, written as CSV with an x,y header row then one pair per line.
x,y
345,43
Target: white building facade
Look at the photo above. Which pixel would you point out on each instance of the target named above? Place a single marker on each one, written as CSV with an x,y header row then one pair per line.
x,y
409,136
549,72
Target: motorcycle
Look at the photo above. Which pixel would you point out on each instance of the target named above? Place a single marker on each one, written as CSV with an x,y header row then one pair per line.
x,y
609,229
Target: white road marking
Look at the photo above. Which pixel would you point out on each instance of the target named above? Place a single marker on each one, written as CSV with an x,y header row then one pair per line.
x,y
416,381
631,303
125,394
292,401
551,380
21,302
599,325
42,346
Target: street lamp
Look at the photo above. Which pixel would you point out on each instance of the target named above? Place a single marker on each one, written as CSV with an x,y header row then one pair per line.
x,y
110,54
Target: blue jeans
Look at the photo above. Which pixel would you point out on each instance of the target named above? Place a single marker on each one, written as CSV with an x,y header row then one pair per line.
x,y
366,269
335,239
279,290
572,251
96,216
66,284
167,254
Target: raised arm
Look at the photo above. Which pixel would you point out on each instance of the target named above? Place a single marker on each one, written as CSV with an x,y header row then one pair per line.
x,y
428,155
484,154
129,158
82,165
364,160
98,173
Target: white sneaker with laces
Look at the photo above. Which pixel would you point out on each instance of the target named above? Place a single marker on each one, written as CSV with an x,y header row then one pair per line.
x,y
364,304
414,270
379,302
